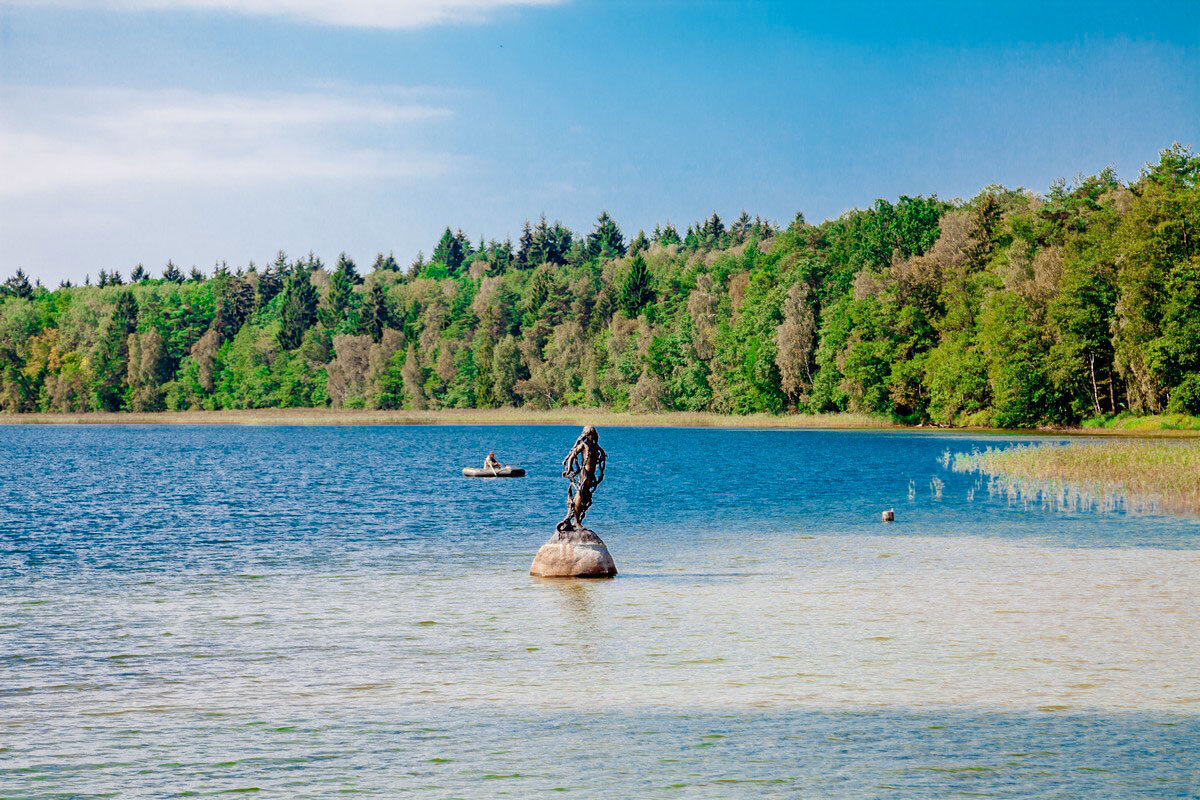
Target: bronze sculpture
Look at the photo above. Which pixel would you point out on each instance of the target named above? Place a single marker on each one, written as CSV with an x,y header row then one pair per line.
x,y
574,551
583,467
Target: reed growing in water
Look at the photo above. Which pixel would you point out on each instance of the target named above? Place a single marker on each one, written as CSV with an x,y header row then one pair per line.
x,y
1139,476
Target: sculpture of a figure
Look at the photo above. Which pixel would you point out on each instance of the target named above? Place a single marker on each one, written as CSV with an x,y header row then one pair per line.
x,y
574,551
584,468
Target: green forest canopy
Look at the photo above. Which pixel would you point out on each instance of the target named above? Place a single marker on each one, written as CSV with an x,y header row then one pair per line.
x,y
1012,309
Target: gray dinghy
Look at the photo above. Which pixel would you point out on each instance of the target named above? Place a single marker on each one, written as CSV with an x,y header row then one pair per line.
x,y
503,472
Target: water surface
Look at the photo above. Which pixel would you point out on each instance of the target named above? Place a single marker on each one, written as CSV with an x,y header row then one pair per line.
x,y
309,611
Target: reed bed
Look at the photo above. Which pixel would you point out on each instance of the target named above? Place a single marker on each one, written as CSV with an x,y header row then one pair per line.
x,y
1135,476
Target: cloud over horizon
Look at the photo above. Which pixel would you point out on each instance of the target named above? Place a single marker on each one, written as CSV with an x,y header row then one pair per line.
x,y
388,14
51,139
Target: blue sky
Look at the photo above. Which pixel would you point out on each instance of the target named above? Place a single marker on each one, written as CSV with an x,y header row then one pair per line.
x,y
141,130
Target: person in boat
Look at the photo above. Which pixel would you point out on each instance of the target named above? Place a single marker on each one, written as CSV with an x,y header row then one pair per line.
x,y
491,462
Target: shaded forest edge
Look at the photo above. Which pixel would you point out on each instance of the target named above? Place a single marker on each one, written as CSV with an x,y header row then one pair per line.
x,y
1011,310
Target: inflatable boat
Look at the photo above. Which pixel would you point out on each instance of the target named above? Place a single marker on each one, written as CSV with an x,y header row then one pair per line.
x,y
502,472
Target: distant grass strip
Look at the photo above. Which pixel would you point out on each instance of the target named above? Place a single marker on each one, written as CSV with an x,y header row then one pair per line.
x,y
466,416
1137,475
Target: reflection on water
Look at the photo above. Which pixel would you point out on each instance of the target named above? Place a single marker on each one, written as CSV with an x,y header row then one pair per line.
x,y
577,601
310,612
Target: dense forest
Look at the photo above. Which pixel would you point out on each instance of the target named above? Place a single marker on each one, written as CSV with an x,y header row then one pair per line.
x,y
1011,309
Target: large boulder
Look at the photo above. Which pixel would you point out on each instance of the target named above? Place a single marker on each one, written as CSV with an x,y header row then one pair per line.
x,y
573,553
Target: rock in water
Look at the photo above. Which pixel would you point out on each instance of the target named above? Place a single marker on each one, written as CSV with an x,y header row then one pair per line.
x,y
573,553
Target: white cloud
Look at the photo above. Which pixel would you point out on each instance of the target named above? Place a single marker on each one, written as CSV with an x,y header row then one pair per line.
x,y
51,139
350,13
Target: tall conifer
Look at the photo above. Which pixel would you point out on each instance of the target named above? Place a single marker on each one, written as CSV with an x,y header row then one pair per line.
x,y
299,310
636,291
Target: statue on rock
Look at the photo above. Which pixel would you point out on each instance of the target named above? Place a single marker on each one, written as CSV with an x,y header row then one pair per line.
x,y
584,468
574,551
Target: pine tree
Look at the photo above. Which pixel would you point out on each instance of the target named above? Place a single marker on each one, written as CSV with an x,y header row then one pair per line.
x,y
449,252
741,227
17,286
195,276
712,231
464,247
539,292
341,289
138,274
525,247
669,236
234,304
558,244
636,291
299,309
606,241
379,315
639,244
504,256
270,281
172,273
418,264
125,313
549,244
385,263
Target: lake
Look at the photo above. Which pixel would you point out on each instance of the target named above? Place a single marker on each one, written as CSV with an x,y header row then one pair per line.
x,y
305,612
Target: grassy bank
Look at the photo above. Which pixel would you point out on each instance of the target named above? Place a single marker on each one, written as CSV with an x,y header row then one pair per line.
x,y
1159,426
1155,422
496,416
1137,474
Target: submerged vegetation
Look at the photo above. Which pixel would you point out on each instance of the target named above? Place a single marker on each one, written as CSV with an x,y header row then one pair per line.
x,y
1011,309
1136,475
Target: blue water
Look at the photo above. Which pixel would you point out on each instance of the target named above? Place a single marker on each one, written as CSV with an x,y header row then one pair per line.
x,y
310,611
230,498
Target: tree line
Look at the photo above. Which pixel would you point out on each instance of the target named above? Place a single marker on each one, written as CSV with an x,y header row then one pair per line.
x,y
1009,309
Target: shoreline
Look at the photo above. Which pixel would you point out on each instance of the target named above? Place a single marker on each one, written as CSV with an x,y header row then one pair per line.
x,y
302,417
